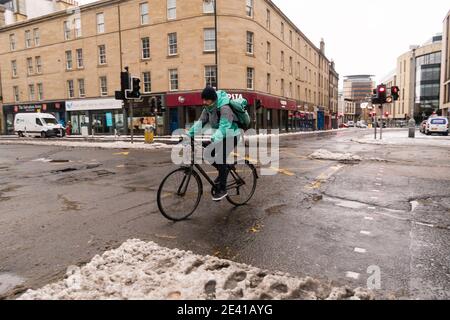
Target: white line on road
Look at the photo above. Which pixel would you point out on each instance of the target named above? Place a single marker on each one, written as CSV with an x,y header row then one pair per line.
x,y
353,275
369,218
366,233
360,250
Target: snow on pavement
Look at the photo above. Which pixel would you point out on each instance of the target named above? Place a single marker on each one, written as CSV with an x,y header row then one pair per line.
x,y
87,144
400,137
323,154
143,270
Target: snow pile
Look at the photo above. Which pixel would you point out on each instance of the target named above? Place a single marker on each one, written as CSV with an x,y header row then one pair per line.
x,y
86,144
327,155
144,270
400,137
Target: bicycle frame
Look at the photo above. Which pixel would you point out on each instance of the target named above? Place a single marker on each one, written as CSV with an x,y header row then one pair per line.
x,y
238,181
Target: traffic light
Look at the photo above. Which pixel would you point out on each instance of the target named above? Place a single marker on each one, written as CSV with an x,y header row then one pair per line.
x,y
381,93
160,105
258,104
135,91
395,92
124,86
386,114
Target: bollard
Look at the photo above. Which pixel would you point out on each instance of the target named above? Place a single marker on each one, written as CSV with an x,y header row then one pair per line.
x,y
412,128
149,134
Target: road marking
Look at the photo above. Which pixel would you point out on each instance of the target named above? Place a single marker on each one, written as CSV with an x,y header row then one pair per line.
x,y
369,218
324,176
366,233
279,170
122,154
352,275
360,250
378,184
371,208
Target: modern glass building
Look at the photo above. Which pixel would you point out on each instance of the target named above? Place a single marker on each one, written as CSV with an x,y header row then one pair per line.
x,y
428,79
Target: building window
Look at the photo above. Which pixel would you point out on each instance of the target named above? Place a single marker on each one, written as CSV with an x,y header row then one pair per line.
x,y
16,94
66,26
208,6
143,8
269,83
250,78
250,42
40,92
249,8
69,62
37,37
31,92
14,68
291,65
145,44
147,82
80,60
173,44
12,42
171,9
209,39
268,19
100,23
211,76
282,30
81,88
70,89
38,63
102,54
78,28
28,39
268,53
173,79
290,90
30,69
282,87
103,86
282,60
290,38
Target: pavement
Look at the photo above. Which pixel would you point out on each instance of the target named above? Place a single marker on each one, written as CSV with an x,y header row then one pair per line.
x,y
382,221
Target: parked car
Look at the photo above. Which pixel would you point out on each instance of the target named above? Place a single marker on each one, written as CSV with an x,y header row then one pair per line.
x,y
361,124
423,126
351,124
437,125
37,124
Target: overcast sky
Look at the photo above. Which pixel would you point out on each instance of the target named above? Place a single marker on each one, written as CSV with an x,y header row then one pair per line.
x,y
365,36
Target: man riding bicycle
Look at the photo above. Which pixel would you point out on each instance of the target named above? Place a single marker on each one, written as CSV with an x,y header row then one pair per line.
x,y
218,114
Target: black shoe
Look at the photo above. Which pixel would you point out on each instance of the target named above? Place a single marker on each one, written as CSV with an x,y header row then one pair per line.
x,y
217,181
220,195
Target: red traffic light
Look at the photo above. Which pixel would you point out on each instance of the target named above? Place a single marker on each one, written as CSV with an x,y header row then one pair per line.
x,y
382,89
386,114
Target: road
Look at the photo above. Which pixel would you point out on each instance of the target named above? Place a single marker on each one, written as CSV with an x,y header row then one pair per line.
x,y
333,221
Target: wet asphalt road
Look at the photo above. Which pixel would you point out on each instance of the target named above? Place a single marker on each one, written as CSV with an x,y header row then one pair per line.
x,y
332,221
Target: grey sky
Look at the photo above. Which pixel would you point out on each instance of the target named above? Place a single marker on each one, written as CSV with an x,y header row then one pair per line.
x,y
365,36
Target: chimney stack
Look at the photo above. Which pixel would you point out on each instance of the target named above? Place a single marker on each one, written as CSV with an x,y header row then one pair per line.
x,y
2,16
322,46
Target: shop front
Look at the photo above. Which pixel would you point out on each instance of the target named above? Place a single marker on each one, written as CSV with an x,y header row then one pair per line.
x,y
9,112
275,113
95,117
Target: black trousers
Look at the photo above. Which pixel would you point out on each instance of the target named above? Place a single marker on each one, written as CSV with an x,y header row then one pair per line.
x,y
221,152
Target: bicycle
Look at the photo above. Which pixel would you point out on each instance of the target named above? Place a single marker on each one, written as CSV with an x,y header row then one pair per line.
x,y
180,192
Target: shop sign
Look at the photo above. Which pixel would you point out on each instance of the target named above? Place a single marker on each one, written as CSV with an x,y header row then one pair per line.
x,y
95,104
235,96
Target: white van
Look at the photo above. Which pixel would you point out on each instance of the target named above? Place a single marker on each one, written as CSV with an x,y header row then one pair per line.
x,y
437,125
37,124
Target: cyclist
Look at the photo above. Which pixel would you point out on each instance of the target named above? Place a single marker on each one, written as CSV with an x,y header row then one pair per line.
x,y
218,114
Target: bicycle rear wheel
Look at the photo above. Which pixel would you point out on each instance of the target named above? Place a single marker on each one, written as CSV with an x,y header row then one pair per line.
x,y
241,184
179,194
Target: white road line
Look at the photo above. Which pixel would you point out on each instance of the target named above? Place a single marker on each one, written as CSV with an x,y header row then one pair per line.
x,y
360,250
366,233
369,218
352,275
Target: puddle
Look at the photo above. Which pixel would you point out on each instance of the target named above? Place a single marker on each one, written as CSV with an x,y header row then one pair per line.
x,y
9,281
346,203
64,170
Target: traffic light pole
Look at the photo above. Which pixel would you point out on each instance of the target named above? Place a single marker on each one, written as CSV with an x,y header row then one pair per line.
x,y
381,125
131,117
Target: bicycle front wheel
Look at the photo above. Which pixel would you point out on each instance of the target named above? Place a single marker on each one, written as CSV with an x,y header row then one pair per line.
x,y
179,194
241,184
